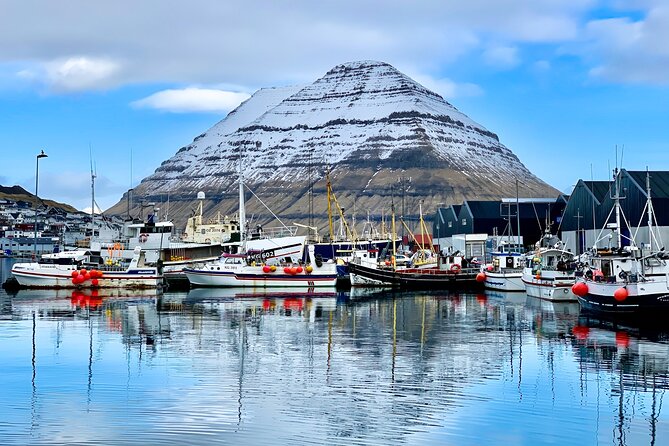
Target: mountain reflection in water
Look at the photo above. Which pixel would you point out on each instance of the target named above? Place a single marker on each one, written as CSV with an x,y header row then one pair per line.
x,y
377,367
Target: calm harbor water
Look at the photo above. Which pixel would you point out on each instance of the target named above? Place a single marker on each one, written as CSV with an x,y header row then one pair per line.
x,y
232,367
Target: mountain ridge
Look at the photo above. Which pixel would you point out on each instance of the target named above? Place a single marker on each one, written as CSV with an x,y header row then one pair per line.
x,y
371,124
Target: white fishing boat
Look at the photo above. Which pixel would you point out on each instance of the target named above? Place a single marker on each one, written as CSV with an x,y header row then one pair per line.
x,y
626,279
505,273
261,268
550,272
78,269
240,270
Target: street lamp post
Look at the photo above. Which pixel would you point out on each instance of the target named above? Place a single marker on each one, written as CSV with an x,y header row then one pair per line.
x,y
40,155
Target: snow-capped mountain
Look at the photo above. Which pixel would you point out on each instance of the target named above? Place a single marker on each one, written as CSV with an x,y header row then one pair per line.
x,y
370,123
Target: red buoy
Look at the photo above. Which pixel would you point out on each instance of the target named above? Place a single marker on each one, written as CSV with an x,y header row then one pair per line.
x,y
480,277
266,269
299,269
580,289
622,339
75,273
620,294
286,270
95,282
580,332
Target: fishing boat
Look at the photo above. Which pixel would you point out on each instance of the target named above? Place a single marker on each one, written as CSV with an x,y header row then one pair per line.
x,y
506,270
263,268
81,269
447,274
426,270
625,279
550,272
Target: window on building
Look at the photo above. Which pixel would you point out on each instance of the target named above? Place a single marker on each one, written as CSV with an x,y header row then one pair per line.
x,y
450,224
464,221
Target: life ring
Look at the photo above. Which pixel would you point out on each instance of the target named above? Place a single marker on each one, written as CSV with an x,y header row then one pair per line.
x,y
143,237
455,268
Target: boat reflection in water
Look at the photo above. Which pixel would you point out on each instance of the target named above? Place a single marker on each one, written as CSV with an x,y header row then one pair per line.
x,y
310,302
303,366
636,359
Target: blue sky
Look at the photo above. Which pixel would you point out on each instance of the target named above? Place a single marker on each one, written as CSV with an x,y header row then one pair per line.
x,y
562,82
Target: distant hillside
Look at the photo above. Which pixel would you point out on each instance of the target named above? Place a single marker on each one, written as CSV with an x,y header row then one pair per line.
x,y
17,193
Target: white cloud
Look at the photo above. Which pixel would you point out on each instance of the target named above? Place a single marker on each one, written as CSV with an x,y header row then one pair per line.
x,y
502,57
92,45
624,50
73,74
193,99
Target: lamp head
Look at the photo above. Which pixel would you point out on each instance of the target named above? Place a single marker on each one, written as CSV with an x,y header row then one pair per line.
x,y
42,155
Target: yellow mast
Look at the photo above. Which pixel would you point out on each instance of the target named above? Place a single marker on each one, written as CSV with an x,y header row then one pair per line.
x,y
328,187
394,234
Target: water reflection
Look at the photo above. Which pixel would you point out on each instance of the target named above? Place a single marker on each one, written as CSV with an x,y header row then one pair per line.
x,y
309,366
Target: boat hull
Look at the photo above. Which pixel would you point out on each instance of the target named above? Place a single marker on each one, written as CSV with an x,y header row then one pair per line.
x,y
642,297
254,277
549,288
426,278
504,281
31,276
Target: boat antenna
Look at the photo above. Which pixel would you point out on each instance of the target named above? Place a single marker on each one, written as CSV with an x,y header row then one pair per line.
x,y
90,154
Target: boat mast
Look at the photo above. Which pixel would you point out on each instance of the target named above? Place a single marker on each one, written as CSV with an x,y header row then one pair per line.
x,y
650,211
394,234
517,217
90,149
328,187
616,197
242,208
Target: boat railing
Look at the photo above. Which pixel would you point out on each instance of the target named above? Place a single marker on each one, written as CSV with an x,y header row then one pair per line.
x,y
275,232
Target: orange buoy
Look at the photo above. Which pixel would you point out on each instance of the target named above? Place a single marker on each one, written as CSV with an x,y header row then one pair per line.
x,y
480,277
293,270
620,294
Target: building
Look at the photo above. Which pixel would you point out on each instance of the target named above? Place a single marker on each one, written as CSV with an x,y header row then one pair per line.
x,y
460,227
24,246
591,206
